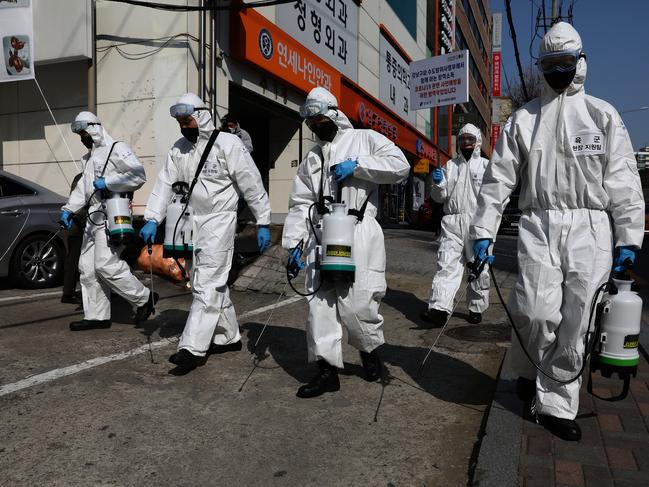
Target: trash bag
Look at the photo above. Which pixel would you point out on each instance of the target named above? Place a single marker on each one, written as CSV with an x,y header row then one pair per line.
x,y
162,267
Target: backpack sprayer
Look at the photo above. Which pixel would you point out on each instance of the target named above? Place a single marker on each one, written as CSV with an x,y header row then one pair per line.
x,y
179,233
613,347
334,254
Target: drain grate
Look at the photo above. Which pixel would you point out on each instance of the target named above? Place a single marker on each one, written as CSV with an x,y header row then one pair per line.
x,y
481,333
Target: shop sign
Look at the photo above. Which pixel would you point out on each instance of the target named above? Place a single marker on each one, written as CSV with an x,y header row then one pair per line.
x,y
327,28
422,166
424,149
17,40
394,81
418,193
263,44
495,133
440,80
374,120
495,74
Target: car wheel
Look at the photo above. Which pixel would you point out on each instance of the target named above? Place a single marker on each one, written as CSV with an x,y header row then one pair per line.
x,y
38,262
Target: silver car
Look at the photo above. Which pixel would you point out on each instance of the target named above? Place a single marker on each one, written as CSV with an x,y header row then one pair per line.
x,y
31,251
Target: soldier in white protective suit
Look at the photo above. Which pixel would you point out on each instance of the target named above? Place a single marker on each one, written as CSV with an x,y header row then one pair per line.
x,y
582,205
457,186
357,160
109,166
212,324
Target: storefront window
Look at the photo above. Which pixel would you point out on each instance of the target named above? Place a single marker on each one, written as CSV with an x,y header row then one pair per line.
x,y
407,13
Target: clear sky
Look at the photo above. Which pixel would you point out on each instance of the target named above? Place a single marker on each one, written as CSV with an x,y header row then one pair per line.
x,y
616,42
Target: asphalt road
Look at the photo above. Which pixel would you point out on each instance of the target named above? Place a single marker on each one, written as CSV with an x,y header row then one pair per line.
x,y
102,408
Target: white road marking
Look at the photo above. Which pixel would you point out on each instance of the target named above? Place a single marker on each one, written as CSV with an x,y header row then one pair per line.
x,y
88,364
30,296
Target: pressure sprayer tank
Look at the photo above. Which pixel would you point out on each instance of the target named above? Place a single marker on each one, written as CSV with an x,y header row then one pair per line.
x,y
179,224
337,261
620,314
119,218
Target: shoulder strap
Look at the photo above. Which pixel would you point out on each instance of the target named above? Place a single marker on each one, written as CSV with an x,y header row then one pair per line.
x,y
199,168
108,158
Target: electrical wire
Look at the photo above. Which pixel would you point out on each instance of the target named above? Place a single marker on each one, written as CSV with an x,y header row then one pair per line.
x,y
207,8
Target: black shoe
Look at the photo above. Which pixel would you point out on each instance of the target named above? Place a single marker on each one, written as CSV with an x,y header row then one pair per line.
x,y
186,360
71,299
371,365
525,389
325,381
230,347
143,312
474,318
89,325
566,429
435,317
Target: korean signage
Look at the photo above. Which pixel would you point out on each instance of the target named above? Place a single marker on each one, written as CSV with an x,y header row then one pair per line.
x,y
372,118
497,32
327,28
495,74
394,81
263,44
17,40
495,133
440,80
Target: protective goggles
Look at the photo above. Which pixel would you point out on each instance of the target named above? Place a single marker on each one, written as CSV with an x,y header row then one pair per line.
x,y
315,108
467,139
81,125
559,61
182,110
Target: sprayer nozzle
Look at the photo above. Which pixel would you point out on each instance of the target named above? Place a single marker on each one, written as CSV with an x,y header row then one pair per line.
x,y
149,248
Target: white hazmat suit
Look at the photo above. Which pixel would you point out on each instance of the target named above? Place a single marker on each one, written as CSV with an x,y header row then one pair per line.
x,y
572,155
356,306
228,171
459,192
101,270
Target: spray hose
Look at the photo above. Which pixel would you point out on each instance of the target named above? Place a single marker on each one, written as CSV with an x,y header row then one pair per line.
x,y
588,345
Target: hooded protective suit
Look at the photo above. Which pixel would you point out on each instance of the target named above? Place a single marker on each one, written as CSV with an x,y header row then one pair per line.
x,y
355,307
573,158
459,192
229,169
101,270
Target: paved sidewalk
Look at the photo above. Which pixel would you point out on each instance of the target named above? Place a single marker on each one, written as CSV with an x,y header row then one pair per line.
x,y
613,452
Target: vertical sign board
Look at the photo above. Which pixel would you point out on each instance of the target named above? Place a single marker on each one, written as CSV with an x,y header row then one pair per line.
x,y
16,40
439,81
327,28
496,47
394,81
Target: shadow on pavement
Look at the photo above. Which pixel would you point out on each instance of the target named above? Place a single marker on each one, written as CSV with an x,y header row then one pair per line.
x,y
440,378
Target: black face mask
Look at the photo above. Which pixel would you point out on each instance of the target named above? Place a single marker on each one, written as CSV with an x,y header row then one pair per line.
x,y
559,81
87,141
190,134
467,153
325,130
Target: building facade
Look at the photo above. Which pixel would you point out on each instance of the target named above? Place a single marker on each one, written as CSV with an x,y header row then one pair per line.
x,y
129,64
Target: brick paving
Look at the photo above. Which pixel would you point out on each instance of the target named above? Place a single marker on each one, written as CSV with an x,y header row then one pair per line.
x,y
614,450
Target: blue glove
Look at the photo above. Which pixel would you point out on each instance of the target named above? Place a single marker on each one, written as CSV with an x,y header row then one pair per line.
x,y
66,219
100,183
624,253
344,169
295,265
148,231
480,249
438,175
263,238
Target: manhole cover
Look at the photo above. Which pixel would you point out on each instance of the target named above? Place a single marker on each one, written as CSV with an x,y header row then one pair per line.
x,y
481,333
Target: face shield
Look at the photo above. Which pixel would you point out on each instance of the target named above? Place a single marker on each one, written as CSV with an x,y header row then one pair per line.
x,y
315,108
560,61
467,140
81,125
182,110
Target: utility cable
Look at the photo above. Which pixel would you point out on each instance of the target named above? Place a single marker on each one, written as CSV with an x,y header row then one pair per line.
x,y
38,85
512,31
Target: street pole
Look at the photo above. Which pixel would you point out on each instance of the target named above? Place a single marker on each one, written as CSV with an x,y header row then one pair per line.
x,y
555,11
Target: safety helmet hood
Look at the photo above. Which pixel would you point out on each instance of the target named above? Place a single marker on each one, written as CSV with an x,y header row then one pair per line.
x,y
475,131
563,37
335,115
201,114
99,135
